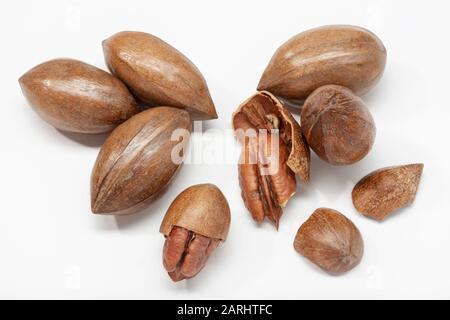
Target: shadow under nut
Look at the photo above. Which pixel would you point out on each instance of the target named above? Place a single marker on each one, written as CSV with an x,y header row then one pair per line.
x,y
349,56
76,97
337,125
135,164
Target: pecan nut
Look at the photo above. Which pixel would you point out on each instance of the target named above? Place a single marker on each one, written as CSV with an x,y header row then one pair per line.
x,y
348,56
194,225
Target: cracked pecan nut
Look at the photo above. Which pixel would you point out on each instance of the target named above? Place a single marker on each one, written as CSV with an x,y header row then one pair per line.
x,y
158,74
136,162
267,183
383,191
194,225
337,125
77,97
349,56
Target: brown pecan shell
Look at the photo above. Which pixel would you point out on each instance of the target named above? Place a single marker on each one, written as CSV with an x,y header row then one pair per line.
x,y
135,164
338,125
343,55
330,240
202,209
383,191
158,74
77,97
299,155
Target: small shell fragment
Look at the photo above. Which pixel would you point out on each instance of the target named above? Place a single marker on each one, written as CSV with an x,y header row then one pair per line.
x,y
383,191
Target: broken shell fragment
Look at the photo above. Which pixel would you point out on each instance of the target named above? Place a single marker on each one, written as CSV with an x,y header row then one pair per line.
x,y
383,191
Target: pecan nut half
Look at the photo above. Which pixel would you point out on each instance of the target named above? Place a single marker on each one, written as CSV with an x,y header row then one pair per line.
x,y
267,175
186,253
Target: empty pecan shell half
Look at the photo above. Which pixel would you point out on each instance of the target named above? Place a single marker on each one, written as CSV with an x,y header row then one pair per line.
x,y
266,175
194,225
383,191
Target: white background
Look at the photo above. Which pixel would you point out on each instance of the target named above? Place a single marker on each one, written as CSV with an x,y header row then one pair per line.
x,y
51,246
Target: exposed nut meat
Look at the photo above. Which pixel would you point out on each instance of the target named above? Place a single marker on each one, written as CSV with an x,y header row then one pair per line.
x,y
196,221
265,194
186,253
273,151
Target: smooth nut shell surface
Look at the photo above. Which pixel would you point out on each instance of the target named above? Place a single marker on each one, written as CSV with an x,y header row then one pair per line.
x,y
383,191
337,125
77,97
330,240
344,55
202,209
135,163
158,74
299,157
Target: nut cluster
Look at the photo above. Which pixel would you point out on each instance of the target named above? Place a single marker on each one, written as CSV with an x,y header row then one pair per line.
x,y
323,70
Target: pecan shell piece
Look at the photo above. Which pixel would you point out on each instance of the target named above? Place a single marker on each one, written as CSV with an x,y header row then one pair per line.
x,y
202,209
290,131
385,190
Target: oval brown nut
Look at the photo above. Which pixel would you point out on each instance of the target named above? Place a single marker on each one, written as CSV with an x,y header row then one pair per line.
x,y
136,162
383,191
266,194
74,96
330,240
344,55
158,74
337,125
194,225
